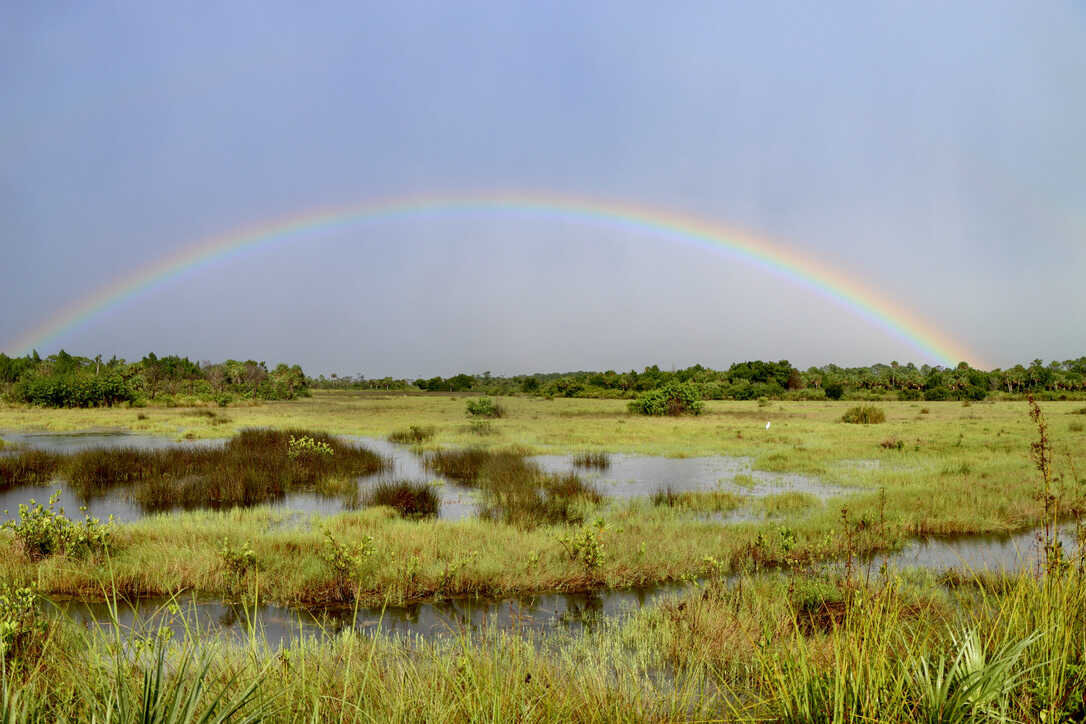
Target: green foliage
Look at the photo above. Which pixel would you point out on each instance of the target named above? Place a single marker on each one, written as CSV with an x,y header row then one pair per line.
x,y
21,625
973,687
864,415
834,390
42,531
348,562
307,447
484,407
586,546
674,399
184,693
238,560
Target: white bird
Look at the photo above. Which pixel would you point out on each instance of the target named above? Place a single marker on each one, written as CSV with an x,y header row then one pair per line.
x,y
767,426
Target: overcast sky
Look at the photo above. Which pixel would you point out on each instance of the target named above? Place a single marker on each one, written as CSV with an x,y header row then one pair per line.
x,y
937,151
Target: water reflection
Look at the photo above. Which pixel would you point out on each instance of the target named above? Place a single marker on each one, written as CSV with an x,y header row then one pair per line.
x,y
629,476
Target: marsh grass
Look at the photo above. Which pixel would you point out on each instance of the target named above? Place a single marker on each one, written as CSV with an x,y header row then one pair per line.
x,y
789,503
411,500
706,501
592,460
253,467
413,435
30,467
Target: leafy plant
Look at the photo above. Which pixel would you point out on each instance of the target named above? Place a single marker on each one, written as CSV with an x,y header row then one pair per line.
x,y
973,687
238,560
348,562
484,407
586,545
20,624
307,447
673,399
42,531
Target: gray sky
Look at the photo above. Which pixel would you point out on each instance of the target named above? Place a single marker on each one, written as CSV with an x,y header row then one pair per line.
x,y
936,151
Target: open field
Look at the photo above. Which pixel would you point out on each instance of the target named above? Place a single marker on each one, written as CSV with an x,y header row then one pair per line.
x,y
769,631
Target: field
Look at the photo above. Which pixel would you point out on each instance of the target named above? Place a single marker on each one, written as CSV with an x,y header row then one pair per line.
x,y
775,613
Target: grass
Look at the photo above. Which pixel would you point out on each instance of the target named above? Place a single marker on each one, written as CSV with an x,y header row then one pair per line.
x,y
409,499
709,501
772,631
413,435
32,467
592,460
253,467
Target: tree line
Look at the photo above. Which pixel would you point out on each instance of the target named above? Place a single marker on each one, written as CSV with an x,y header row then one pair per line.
x,y
65,380
755,379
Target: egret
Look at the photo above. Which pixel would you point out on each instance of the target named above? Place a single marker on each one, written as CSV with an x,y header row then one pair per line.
x,y
767,426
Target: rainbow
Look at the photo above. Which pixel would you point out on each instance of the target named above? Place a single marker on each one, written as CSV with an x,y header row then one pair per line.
x,y
932,344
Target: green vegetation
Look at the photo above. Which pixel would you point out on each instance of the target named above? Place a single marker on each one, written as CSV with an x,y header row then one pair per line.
x,y
782,618
413,435
674,400
592,460
771,380
864,415
484,407
254,467
63,380
410,500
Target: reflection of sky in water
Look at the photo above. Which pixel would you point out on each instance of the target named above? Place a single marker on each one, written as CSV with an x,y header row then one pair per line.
x,y
539,614
628,476
543,613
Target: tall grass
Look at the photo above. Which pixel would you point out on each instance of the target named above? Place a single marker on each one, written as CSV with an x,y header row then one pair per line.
x,y
31,467
590,460
409,499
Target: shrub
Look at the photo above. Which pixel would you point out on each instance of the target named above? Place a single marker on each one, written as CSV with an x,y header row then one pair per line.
x,y
307,447
892,443
348,563
835,390
672,399
864,415
237,560
44,531
484,407
936,394
586,546
20,624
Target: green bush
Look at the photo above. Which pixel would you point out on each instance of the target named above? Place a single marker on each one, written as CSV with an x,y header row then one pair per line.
x,y
835,390
20,622
44,531
673,399
307,447
484,407
864,415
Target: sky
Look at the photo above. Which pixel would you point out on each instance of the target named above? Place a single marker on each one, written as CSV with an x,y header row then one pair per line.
x,y
932,152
